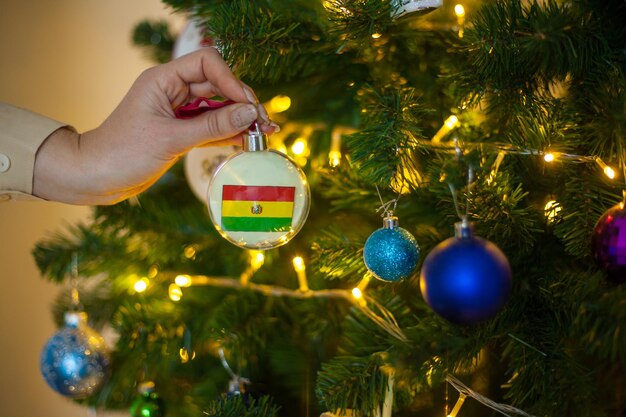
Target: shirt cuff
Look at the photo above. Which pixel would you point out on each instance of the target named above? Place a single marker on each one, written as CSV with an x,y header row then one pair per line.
x,y
21,134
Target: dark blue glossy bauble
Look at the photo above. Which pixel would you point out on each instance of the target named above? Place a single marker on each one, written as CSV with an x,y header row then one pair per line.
x,y
466,280
391,254
75,361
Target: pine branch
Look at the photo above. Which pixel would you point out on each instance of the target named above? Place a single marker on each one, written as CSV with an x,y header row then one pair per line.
x,y
155,38
385,141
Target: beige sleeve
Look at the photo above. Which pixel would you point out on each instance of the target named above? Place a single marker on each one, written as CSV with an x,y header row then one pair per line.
x,y
21,134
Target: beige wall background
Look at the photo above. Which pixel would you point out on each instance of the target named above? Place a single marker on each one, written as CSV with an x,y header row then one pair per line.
x,y
71,60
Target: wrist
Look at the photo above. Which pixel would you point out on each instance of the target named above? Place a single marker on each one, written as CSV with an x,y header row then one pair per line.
x,y
55,175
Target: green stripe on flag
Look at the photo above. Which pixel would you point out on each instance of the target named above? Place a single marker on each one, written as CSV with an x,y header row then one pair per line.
x,y
256,224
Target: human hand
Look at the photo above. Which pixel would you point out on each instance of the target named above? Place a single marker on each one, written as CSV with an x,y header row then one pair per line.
x,y
142,139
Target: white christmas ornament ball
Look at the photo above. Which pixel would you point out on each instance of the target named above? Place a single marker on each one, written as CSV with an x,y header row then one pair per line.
x,y
190,40
200,165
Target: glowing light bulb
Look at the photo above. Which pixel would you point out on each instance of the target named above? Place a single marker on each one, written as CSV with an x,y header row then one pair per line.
x,y
183,280
141,285
175,292
551,210
451,122
298,264
153,271
357,293
279,104
257,258
608,171
459,10
299,146
549,157
190,251
334,158
376,35
184,355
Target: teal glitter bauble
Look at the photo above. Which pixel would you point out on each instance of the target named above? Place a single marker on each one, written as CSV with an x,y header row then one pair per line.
x,y
391,253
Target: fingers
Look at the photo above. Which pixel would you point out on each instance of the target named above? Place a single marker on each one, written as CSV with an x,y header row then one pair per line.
x,y
207,65
213,125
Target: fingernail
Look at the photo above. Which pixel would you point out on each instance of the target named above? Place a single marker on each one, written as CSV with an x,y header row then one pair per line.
x,y
263,114
243,116
250,96
275,126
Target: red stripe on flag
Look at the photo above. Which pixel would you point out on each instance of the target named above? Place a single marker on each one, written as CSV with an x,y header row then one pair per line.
x,y
257,193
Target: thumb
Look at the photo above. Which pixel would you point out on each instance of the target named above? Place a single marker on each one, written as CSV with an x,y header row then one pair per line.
x,y
215,125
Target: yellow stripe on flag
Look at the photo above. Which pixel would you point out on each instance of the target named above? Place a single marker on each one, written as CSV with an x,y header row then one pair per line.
x,y
257,208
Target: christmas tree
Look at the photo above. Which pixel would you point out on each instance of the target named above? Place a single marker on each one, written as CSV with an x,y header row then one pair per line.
x,y
507,114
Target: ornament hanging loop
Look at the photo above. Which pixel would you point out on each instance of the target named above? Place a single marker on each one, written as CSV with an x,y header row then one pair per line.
x,y
464,217
387,209
75,304
237,383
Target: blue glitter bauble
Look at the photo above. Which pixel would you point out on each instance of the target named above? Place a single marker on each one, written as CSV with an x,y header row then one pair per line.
x,y
466,280
608,243
75,361
391,254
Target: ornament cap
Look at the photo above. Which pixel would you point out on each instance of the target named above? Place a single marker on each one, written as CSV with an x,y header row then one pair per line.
x,y
254,140
146,388
464,229
390,221
75,318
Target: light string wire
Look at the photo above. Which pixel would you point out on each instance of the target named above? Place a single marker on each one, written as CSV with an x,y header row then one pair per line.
x,y
378,314
465,391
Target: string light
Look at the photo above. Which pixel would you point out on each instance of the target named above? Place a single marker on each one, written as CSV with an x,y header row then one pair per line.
x,y
549,157
300,268
175,292
551,210
184,354
257,259
459,10
141,285
371,309
435,143
458,405
190,251
279,104
183,280
299,147
450,123
608,171
376,35
357,292
334,155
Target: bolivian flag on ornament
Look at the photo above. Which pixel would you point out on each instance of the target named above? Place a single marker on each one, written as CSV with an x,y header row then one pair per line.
x,y
257,208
